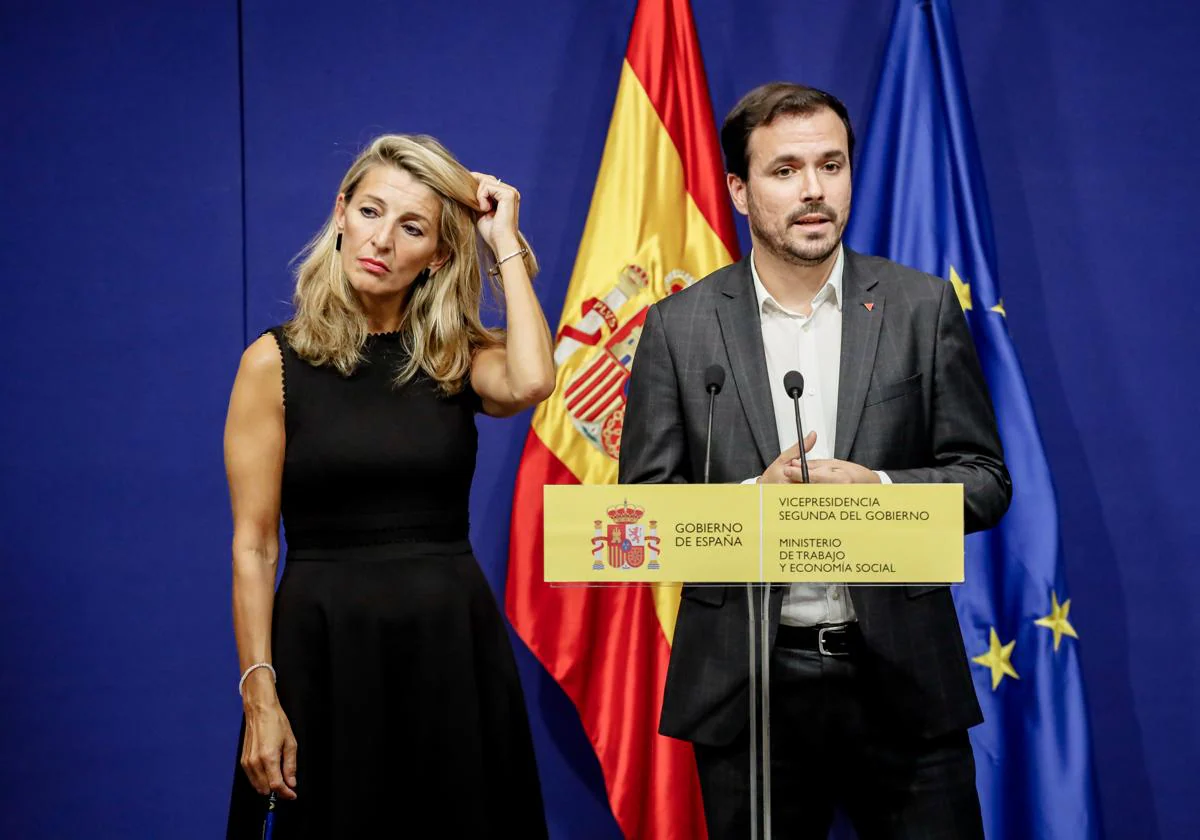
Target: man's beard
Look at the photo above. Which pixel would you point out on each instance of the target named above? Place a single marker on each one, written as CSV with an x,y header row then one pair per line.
x,y
789,251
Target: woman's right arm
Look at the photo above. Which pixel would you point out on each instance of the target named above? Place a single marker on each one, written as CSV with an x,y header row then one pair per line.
x,y
254,446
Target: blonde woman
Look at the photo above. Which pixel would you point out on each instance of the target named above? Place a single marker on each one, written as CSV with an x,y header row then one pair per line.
x,y
379,688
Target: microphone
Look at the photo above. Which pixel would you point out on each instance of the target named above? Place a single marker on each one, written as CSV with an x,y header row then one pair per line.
x,y
714,381
793,383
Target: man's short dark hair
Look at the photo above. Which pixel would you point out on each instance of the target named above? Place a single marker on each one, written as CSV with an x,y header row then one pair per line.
x,y
764,105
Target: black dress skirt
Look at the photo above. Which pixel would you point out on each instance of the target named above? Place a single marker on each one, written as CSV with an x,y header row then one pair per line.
x,y
394,664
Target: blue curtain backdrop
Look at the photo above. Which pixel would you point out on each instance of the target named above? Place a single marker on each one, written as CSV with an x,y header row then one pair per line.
x,y
161,164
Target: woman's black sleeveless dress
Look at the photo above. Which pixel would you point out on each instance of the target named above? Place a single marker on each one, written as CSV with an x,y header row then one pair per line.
x,y
394,665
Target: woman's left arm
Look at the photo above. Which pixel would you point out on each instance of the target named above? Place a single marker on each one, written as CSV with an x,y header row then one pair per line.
x,y
513,376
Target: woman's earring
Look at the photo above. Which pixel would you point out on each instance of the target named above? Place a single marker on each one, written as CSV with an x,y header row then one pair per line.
x,y
337,246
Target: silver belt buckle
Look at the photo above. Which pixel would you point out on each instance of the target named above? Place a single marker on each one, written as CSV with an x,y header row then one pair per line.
x,y
824,651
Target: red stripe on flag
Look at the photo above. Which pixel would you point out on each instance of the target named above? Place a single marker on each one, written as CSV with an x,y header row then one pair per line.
x,y
585,638
664,53
601,391
607,362
614,397
597,379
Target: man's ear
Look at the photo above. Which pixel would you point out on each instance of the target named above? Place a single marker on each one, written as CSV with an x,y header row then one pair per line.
x,y
738,190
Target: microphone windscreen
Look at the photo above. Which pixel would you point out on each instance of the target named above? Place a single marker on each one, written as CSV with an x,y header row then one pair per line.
x,y
793,383
714,379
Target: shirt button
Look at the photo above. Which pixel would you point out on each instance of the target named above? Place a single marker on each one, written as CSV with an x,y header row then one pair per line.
x,y
836,595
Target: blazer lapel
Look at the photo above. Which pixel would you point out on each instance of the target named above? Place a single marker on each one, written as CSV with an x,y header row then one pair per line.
x,y
862,315
738,316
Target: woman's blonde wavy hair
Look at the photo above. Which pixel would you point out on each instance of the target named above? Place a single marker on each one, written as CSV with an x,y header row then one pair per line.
x,y
440,327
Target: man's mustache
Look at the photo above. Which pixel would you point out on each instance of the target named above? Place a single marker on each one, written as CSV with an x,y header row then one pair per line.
x,y
815,209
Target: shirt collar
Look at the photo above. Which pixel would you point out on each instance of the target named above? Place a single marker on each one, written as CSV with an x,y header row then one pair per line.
x,y
831,290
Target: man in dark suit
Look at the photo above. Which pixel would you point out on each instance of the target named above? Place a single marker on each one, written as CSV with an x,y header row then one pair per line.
x,y
870,690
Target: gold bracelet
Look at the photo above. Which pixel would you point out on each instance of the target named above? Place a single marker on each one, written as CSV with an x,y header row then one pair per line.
x,y
494,271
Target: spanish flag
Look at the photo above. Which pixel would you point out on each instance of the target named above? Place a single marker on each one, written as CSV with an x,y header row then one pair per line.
x,y
659,221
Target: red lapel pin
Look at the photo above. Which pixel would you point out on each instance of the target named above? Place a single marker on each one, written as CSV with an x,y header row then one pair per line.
x,y
870,306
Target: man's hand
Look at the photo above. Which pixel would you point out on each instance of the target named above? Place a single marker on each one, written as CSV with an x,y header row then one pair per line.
x,y
832,471
777,472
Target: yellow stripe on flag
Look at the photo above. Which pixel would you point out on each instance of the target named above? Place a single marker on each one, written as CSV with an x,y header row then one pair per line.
x,y
658,221
644,238
641,215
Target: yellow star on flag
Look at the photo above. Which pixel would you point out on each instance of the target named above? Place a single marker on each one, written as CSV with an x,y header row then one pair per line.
x,y
997,658
999,309
1057,620
963,290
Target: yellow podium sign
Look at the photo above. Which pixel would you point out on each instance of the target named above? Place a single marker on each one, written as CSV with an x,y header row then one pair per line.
x,y
763,533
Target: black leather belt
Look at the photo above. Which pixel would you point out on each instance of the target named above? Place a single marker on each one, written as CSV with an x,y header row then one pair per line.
x,y
827,639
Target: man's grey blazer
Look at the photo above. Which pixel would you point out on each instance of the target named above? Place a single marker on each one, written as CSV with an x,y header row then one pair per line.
x,y
912,401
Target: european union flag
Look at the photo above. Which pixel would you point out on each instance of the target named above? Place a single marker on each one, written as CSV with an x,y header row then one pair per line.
x,y
920,200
